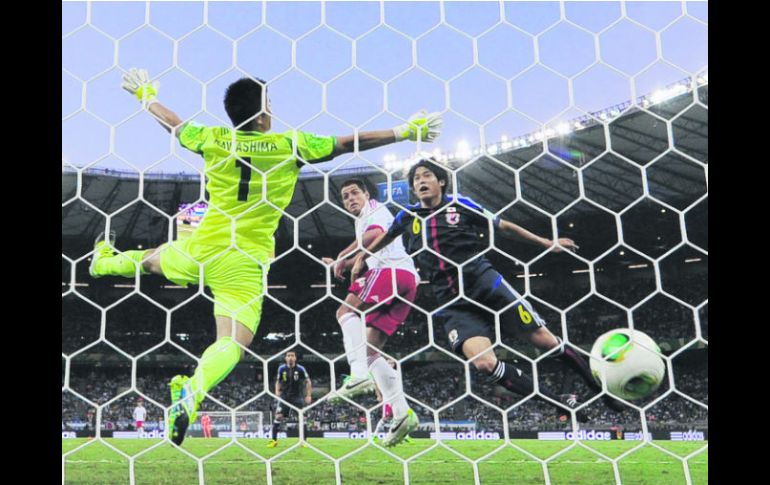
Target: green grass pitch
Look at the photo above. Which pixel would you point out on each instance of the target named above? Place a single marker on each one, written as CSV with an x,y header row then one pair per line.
x,y
97,464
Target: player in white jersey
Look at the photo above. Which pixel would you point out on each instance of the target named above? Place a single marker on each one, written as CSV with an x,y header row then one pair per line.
x,y
390,273
140,414
372,219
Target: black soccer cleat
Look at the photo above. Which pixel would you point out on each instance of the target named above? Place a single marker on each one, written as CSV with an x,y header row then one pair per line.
x,y
613,403
179,427
570,401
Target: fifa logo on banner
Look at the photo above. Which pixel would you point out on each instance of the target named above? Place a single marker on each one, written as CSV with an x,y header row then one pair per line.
x,y
398,190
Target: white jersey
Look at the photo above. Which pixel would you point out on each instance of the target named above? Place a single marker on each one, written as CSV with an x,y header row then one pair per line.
x,y
393,255
139,413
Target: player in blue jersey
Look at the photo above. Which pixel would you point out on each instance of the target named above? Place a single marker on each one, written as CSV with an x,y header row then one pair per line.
x,y
293,385
451,227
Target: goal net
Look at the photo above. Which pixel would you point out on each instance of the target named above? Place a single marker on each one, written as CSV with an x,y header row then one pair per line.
x,y
247,424
578,120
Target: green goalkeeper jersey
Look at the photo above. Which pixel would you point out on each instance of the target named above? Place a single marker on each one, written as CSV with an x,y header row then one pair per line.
x,y
238,212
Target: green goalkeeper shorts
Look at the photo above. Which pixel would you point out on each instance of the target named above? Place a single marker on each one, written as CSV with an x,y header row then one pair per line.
x,y
235,279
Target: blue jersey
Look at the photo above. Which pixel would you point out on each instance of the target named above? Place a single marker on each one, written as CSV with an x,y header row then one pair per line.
x,y
292,381
457,230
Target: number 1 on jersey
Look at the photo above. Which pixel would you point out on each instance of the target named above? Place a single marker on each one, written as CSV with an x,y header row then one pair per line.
x,y
243,186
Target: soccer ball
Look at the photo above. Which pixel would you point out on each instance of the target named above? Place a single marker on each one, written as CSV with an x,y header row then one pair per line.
x,y
622,358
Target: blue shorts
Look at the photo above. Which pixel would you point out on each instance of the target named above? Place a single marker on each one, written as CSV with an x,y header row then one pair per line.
x,y
463,320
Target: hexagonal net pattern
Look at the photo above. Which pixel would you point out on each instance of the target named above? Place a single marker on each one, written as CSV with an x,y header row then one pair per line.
x,y
578,121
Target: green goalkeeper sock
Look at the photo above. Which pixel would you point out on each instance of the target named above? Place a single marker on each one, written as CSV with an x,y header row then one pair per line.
x,y
216,363
123,264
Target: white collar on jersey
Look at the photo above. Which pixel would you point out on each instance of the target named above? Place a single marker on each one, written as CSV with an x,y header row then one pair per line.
x,y
368,208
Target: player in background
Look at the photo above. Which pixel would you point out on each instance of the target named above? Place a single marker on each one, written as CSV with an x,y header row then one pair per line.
x,y
391,273
206,425
453,227
234,241
292,384
140,416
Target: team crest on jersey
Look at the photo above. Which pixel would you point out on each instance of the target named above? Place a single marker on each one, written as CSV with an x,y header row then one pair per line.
x,y
296,375
452,217
453,336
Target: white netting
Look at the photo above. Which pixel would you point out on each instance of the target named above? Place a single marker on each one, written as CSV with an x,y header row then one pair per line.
x,y
247,424
582,120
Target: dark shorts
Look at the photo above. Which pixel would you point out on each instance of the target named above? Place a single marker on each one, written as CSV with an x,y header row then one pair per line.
x,y
463,320
282,408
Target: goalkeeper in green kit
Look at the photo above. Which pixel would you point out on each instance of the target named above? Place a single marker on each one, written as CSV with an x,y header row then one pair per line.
x,y
234,241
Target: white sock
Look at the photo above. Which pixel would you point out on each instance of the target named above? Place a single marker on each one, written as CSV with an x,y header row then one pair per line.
x,y
355,347
389,382
380,427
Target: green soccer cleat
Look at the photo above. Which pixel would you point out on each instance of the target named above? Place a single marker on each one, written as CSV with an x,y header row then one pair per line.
x,y
401,428
103,248
272,443
353,387
183,408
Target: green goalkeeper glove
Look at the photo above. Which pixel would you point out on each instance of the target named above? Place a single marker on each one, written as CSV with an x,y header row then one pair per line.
x,y
421,124
137,82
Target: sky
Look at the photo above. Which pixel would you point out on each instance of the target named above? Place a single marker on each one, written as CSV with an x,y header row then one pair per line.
x,y
494,69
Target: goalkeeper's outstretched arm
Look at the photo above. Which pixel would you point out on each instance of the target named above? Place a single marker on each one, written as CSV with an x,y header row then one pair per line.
x,y
421,126
366,141
167,118
137,82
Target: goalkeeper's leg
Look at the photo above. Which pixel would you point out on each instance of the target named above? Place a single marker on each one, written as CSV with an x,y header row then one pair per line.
x,y
219,359
105,262
215,364
236,282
